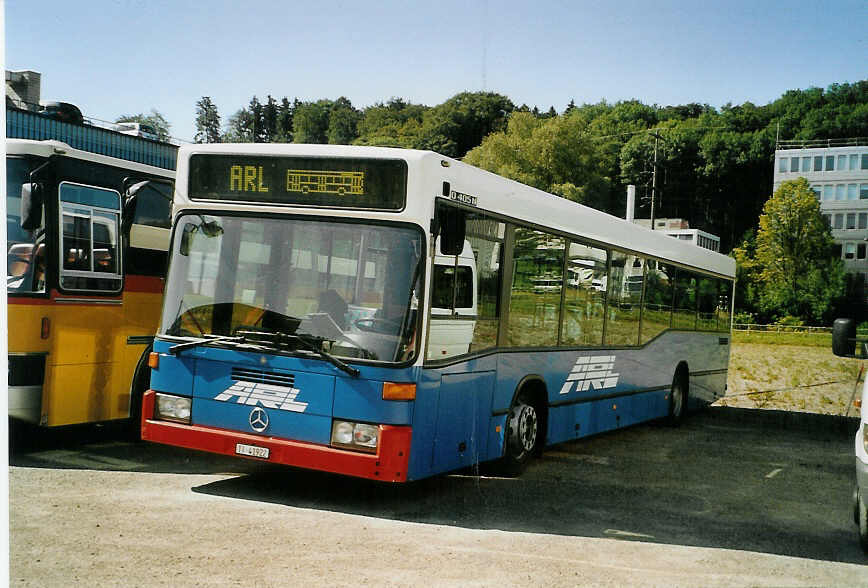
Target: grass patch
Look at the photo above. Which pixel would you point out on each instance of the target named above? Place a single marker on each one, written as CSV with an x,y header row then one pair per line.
x,y
773,338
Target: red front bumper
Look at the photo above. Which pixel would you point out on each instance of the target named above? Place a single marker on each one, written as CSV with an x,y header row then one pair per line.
x,y
389,464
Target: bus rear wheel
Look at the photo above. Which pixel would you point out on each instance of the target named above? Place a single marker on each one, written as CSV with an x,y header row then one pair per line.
x,y
522,436
861,513
677,399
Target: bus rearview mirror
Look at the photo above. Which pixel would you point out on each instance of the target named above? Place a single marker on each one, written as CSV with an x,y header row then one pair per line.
x,y
31,206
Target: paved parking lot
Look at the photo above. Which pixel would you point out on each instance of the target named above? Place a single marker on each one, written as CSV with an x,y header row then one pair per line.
x,y
730,498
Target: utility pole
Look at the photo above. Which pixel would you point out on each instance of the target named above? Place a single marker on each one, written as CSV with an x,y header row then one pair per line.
x,y
654,179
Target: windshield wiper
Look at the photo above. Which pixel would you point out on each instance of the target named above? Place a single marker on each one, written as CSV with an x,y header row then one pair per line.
x,y
176,349
286,340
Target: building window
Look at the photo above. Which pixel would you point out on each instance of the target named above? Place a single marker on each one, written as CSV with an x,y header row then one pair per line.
x,y
782,165
860,251
806,164
818,190
839,192
851,220
865,161
854,162
828,219
849,251
839,221
818,163
830,163
863,191
863,220
828,192
842,163
852,192
794,164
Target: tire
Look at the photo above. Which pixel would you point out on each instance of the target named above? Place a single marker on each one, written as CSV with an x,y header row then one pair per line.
x,y
862,520
677,400
522,436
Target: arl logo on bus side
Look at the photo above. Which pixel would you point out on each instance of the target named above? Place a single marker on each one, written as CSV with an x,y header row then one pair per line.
x,y
268,395
591,373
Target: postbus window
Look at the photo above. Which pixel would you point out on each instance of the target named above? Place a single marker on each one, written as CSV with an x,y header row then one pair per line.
x,y
535,299
154,205
90,221
657,302
585,298
625,295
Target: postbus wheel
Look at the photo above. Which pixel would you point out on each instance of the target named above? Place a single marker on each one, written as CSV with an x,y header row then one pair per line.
x,y
522,435
678,397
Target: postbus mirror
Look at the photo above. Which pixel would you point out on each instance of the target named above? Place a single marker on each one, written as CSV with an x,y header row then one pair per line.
x,y
31,206
844,337
452,230
187,238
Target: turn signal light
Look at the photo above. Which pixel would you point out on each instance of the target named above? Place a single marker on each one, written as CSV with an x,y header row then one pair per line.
x,y
396,391
154,360
45,331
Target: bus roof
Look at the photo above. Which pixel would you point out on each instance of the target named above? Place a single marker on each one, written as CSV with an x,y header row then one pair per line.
x,y
48,148
477,188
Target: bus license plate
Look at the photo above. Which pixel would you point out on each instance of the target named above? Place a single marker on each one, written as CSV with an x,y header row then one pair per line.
x,y
251,450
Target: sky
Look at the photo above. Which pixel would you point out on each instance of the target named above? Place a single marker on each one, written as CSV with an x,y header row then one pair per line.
x,y
119,57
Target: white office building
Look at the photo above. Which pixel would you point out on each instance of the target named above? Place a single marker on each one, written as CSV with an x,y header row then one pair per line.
x,y
837,170
680,229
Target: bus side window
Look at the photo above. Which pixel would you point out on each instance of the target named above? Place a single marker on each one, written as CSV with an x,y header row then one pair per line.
x,y
89,239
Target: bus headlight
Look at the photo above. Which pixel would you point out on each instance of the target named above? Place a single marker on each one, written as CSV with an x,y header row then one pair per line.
x,y
173,408
358,436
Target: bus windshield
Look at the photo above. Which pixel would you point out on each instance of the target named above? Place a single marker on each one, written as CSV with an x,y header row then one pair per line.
x,y
25,260
351,289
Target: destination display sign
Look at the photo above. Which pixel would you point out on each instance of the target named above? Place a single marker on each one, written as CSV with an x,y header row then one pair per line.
x,y
379,184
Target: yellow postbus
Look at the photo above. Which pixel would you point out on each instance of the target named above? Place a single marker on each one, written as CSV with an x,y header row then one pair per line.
x,y
87,235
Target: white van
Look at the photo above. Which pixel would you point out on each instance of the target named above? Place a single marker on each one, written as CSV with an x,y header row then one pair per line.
x,y
137,130
844,345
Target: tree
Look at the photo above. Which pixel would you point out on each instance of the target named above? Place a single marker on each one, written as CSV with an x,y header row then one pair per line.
x,y
343,121
459,124
207,121
797,273
269,120
155,120
310,122
239,127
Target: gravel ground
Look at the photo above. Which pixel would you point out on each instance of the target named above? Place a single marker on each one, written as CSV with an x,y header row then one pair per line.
x,y
151,530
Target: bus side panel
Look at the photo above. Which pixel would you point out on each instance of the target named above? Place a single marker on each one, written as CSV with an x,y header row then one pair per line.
x,y
142,302
596,390
27,350
452,421
85,370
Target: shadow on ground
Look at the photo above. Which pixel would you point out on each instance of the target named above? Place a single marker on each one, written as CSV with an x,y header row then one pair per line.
x,y
728,478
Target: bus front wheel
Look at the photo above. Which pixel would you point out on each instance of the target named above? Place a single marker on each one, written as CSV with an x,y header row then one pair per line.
x,y
522,436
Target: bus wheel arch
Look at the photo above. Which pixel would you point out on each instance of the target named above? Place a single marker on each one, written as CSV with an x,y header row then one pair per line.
x,y
679,393
140,383
526,425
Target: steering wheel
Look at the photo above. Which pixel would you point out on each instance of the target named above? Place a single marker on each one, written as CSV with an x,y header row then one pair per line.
x,y
377,325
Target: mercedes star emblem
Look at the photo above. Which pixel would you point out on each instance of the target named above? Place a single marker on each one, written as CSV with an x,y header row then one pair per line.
x,y
258,419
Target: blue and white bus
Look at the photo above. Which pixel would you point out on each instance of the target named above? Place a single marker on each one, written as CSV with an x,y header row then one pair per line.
x,y
397,331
